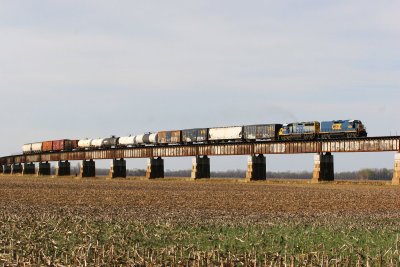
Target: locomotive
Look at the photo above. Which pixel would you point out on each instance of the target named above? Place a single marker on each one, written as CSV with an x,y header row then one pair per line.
x,y
312,130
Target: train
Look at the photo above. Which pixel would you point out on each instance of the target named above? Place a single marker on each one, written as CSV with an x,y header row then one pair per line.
x,y
312,130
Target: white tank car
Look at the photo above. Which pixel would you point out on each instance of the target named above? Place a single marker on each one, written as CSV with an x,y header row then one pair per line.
x,y
104,142
37,147
153,138
85,143
226,133
27,148
97,143
147,138
139,139
126,141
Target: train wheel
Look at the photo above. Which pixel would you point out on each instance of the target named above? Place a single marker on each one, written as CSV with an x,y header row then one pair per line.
x,y
351,135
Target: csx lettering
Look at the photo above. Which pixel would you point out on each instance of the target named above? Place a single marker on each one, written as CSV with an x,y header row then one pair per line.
x,y
337,127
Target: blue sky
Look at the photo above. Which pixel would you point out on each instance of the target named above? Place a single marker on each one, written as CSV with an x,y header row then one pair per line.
x,y
76,69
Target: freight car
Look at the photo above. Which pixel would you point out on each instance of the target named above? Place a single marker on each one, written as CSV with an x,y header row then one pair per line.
x,y
104,142
65,145
193,136
85,144
225,134
146,139
169,137
262,132
126,141
27,149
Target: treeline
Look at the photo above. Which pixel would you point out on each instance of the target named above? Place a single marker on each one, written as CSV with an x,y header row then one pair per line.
x,y
364,174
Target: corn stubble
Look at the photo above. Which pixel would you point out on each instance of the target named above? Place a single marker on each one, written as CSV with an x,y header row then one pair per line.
x,y
66,222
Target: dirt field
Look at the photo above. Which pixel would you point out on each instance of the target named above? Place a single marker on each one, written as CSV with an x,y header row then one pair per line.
x,y
199,201
132,216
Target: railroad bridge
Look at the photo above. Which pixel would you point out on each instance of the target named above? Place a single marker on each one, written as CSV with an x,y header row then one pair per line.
x,y
323,160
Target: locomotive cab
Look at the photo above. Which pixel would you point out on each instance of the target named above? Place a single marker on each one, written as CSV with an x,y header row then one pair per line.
x,y
359,127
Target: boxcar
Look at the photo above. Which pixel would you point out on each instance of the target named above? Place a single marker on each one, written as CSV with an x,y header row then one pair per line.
x,y
199,135
47,146
65,145
261,131
225,133
169,137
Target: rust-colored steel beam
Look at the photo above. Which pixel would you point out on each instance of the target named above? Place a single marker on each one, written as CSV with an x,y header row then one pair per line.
x,y
371,144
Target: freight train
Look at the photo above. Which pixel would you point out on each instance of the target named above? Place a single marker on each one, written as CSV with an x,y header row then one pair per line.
x,y
313,130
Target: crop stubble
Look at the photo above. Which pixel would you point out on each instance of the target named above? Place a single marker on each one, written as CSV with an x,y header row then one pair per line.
x,y
124,208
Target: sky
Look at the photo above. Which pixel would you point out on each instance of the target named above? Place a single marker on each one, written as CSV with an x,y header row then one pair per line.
x,y
78,69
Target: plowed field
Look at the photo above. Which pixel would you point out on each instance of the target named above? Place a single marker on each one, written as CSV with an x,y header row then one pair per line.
x,y
138,222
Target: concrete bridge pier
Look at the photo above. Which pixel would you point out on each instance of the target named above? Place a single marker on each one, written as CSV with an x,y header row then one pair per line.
x,y
118,168
63,168
256,168
323,168
7,169
28,169
201,167
16,169
88,168
44,169
155,168
396,173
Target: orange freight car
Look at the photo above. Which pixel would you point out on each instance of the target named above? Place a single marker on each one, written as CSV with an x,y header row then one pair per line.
x,y
47,146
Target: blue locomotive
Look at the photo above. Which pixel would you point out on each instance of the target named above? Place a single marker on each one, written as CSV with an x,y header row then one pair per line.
x,y
322,130
342,129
